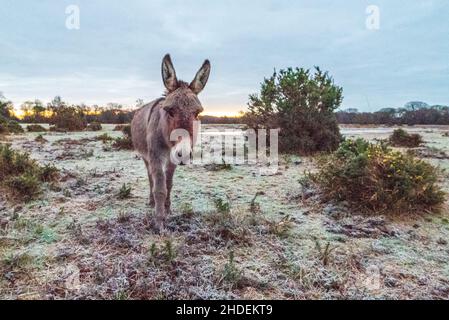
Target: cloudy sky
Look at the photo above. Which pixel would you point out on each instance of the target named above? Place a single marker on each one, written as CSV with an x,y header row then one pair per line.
x,y
115,56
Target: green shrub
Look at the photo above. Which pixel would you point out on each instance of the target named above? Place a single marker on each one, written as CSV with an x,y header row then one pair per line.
x,y
94,126
222,205
3,129
26,186
67,118
8,126
231,274
124,192
374,177
126,130
301,105
14,127
104,138
120,127
53,128
48,173
13,162
40,138
401,138
125,142
22,176
218,166
36,128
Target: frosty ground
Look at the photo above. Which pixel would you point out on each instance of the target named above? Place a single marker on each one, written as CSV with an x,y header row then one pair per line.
x,y
83,240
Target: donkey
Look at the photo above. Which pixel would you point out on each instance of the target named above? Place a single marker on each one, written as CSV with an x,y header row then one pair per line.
x,y
151,130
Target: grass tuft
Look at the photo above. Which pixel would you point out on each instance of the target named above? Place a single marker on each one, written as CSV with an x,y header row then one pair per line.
x,y
124,192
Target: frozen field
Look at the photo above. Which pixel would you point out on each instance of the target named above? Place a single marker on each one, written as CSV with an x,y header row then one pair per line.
x,y
81,240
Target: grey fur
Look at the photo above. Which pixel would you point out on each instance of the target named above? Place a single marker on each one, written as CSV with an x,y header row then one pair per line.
x,y
151,128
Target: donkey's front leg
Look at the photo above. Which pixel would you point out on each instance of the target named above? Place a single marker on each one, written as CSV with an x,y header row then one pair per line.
x,y
150,179
159,194
169,173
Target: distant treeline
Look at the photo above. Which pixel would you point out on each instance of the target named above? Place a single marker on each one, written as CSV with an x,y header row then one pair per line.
x,y
220,120
413,113
37,112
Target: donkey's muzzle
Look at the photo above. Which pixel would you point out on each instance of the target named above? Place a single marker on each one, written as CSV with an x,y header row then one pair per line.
x,y
184,161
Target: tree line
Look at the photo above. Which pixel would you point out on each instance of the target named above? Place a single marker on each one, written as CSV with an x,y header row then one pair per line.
x,y
413,113
113,113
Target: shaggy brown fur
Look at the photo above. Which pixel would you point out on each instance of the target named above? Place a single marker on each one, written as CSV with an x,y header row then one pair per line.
x,y
152,126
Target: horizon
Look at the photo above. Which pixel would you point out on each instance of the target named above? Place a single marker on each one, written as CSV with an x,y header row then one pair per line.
x,y
115,54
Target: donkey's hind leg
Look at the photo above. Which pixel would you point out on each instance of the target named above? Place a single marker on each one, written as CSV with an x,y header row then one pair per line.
x,y
150,179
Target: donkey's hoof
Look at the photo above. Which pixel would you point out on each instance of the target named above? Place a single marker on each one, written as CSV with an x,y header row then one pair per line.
x,y
158,226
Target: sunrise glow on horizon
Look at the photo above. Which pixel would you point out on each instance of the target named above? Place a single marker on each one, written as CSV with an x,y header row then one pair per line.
x,y
20,114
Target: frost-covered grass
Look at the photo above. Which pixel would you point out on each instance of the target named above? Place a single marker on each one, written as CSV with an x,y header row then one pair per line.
x,y
81,240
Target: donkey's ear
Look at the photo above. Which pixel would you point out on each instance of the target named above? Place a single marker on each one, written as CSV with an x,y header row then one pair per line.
x,y
201,78
169,74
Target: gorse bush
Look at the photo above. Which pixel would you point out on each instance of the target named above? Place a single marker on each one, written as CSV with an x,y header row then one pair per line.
x,y
22,176
125,142
94,126
48,173
104,138
8,126
374,177
36,128
67,118
301,105
126,130
401,138
26,186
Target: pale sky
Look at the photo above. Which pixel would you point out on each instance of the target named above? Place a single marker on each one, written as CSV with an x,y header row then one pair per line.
x,y
116,54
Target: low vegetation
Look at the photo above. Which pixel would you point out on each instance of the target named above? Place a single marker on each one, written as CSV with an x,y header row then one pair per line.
x,y
231,274
218,166
68,118
120,127
104,138
94,126
40,138
9,126
125,142
36,128
124,192
374,177
21,176
231,234
401,138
